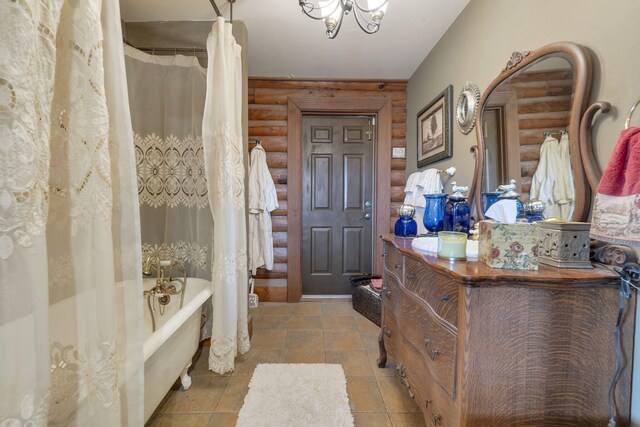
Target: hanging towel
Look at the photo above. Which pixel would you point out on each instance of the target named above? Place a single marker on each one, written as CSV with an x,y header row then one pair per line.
x,y
410,189
428,182
263,199
616,212
564,192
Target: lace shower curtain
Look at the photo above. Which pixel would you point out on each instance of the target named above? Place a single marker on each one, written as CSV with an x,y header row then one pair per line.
x,y
70,285
167,102
223,154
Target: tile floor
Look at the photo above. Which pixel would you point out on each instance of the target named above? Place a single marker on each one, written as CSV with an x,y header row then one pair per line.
x,y
308,332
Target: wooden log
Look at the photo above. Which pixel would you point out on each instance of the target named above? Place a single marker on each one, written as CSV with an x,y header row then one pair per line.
x,y
278,223
559,123
529,152
270,143
251,96
398,177
398,164
530,76
260,128
397,194
282,210
528,168
281,96
375,86
279,176
398,131
276,160
547,104
279,271
280,239
399,115
267,112
398,142
281,190
531,137
280,255
270,293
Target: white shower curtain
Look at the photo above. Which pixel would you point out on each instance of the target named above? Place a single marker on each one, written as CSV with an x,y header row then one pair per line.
x,y
70,282
223,152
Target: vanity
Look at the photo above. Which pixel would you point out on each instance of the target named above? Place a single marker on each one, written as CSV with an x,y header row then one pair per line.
x,y
476,346
481,346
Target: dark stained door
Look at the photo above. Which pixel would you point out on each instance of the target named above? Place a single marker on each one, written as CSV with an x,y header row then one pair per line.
x,y
337,202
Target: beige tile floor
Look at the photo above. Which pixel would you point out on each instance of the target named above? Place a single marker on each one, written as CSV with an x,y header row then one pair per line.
x,y
308,332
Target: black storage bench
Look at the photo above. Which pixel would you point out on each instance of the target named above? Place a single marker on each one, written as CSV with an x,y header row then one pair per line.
x,y
366,300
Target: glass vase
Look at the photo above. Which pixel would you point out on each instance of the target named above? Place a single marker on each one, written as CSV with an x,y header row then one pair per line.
x,y
433,218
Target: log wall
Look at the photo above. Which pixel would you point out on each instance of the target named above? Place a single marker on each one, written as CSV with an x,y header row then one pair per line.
x,y
268,122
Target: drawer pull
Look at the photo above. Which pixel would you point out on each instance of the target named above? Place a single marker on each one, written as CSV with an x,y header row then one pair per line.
x,y
384,255
445,298
437,420
398,265
427,403
402,372
388,294
427,341
434,354
411,276
387,333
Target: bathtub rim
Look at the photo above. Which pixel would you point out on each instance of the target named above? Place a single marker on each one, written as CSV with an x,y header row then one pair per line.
x,y
160,336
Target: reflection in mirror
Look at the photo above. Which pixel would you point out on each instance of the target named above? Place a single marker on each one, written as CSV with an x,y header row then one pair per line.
x,y
528,130
525,110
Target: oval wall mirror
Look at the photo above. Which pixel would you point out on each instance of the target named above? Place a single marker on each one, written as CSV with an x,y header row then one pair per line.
x,y
466,107
536,102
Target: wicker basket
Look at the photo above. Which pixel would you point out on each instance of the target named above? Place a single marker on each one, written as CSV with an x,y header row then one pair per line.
x,y
366,300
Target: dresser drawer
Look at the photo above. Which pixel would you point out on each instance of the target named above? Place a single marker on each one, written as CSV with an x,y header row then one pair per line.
x,y
435,344
393,260
434,402
391,292
390,333
440,292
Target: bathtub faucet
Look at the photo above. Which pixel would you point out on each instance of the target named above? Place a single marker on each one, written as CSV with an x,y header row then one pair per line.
x,y
165,286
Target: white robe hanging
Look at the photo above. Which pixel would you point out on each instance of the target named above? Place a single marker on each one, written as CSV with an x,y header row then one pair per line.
x,y
263,200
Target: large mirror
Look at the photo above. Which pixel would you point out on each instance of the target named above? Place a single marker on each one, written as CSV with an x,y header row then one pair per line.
x,y
528,129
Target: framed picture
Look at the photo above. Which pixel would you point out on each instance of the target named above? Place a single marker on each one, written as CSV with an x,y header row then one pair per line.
x,y
435,129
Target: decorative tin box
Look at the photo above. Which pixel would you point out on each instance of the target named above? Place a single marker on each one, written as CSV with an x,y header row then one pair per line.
x,y
512,246
564,244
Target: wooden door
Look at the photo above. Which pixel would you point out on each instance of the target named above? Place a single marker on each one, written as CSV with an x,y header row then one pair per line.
x,y
337,202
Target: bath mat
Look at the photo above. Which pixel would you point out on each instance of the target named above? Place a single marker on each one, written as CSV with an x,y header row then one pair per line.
x,y
287,395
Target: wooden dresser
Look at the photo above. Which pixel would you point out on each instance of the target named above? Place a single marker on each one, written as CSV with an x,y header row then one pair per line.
x,y
476,346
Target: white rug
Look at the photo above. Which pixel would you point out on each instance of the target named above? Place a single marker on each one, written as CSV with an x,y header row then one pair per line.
x,y
309,395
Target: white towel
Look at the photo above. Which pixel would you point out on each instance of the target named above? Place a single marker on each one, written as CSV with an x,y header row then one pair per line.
x,y
410,189
428,182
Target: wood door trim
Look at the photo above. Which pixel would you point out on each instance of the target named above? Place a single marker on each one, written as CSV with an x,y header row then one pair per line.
x,y
296,107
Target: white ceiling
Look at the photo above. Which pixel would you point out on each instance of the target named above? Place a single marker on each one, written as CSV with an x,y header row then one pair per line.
x,y
285,43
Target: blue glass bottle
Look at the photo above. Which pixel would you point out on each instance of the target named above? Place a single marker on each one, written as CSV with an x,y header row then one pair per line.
x,y
406,226
433,218
456,210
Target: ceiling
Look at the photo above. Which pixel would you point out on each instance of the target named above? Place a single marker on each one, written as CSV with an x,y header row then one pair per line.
x,y
285,43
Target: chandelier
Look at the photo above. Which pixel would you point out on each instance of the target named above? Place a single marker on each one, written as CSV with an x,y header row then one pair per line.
x,y
368,13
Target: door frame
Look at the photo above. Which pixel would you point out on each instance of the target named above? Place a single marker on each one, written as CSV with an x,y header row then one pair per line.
x,y
296,107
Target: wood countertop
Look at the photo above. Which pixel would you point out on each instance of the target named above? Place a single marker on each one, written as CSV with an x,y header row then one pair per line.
x,y
475,273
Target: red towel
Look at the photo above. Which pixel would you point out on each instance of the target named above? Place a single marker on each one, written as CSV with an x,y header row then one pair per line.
x,y
616,211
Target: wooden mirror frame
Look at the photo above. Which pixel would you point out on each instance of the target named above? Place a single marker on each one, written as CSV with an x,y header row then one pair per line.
x,y
580,60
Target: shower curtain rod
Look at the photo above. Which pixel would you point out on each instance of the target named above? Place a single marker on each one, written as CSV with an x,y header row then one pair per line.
x,y
168,49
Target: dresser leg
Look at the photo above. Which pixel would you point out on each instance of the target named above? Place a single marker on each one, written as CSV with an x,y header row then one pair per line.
x,y
382,360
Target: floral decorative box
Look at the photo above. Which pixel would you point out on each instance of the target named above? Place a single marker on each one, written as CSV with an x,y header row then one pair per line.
x,y
512,246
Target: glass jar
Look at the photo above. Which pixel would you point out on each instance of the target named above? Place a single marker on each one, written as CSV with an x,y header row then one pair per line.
x,y
433,218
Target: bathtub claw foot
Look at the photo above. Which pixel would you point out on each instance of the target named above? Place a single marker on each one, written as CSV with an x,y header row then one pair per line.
x,y
185,379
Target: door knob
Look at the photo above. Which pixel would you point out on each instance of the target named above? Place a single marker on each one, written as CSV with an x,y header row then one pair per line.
x,y
367,216
367,204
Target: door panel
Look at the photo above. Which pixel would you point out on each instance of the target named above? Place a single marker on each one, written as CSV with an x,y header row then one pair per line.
x,y
321,177
337,200
353,249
